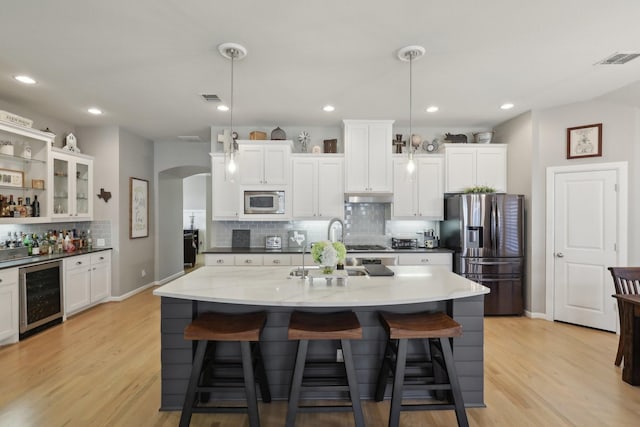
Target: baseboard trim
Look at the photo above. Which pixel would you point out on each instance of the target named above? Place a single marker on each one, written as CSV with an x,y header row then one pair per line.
x,y
535,315
131,293
168,279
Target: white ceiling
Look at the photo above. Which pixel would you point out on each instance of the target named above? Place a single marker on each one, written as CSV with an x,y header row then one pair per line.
x,y
146,62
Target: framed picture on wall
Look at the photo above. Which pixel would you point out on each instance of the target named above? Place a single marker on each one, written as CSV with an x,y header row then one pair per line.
x,y
584,141
138,208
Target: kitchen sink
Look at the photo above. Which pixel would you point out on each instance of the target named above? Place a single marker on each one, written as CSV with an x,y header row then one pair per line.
x,y
297,272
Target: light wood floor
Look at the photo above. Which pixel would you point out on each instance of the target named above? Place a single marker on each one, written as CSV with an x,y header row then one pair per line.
x,y
102,368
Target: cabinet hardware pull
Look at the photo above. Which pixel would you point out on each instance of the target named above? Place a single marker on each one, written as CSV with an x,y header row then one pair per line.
x,y
220,261
247,261
78,262
276,261
425,259
0,280
101,258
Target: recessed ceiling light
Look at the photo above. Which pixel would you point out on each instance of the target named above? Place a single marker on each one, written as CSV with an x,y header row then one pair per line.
x,y
328,108
432,109
507,106
223,108
95,111
25,79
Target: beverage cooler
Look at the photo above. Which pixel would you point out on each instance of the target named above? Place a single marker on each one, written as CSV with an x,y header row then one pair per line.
x,y
486,231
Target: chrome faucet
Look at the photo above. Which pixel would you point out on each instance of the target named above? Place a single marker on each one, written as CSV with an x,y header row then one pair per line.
x,y
303,275
332,238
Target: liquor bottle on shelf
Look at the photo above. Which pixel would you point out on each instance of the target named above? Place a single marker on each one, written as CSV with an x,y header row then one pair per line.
x,y
35,206
27,206
35,246
12,205
89,240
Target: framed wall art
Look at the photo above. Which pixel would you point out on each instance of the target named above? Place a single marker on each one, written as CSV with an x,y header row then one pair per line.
x,y
584,141
138,208
11,178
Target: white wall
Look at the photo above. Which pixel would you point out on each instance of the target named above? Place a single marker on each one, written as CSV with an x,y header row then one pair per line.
x,y
59,127
194,190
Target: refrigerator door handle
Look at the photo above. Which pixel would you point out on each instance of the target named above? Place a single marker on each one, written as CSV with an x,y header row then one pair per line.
x,y
494,244
493,262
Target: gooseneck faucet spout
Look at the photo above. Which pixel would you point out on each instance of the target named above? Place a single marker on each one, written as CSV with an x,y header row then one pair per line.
x,y
332,236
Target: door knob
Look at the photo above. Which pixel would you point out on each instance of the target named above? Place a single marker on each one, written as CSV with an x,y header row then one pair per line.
x,y
560,255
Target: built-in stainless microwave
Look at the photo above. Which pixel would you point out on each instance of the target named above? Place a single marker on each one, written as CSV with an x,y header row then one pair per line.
x,y
264,202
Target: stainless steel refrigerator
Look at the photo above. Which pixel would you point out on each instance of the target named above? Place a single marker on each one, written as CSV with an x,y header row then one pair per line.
x,y
486,231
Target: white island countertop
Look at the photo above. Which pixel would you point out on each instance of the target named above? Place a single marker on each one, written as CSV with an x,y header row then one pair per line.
x,y
272,286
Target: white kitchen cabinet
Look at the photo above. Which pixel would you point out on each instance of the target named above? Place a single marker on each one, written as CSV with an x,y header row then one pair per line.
x,y
248,260
225,200
218,259
317,185
71,195
9,306
264,163
426,258
24,155
277,259
420,196
477,164
87,280
368,151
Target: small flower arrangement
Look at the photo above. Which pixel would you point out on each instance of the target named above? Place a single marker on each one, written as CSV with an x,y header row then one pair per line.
x,y
328,254
480,189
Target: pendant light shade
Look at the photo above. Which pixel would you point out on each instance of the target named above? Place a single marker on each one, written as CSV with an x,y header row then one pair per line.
x,y
233,52
410,53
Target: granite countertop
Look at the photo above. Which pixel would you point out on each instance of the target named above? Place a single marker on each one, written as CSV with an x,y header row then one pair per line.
x,y
272,286
256,250
21,262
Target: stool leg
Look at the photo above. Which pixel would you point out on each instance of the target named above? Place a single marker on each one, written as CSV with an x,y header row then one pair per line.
x,y
296,382
398,381
249,384
261,373
383,374
461,414
196,367
352,379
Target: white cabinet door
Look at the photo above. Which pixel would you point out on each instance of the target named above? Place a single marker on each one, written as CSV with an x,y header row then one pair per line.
x,y
277,260
380,151
468,166
330,183
218,259
492,167
100,276
356,152
420,197
262,164
77,283
304,187
225,200
248,260
368,149
276,164
404,190
72,192
430,191
443,259
9,306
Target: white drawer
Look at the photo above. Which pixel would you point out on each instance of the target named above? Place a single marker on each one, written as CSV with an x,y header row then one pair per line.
x,y
272,259
425,259
100,257
80,261
248,260
218,259
8,276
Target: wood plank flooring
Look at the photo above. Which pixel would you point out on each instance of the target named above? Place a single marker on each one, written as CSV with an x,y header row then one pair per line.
x,y
102,368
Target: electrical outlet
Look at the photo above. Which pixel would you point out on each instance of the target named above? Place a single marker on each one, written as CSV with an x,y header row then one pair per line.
x,y
143,272
339,357
100,243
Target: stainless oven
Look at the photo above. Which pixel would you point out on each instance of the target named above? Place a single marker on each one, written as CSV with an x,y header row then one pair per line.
x,y
41,299
264,202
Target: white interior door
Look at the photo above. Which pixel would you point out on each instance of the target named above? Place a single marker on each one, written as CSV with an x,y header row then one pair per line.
x,y
584,235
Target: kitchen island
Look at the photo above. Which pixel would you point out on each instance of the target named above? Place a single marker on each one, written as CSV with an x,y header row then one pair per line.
x,y
245,289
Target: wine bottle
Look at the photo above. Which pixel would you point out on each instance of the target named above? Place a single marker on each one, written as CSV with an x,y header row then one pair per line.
x,y
35,206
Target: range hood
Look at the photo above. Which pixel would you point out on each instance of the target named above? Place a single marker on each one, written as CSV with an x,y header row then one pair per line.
x,y
368,198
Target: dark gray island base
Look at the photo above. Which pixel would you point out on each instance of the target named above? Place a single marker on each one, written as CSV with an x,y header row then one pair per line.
x,y
279,352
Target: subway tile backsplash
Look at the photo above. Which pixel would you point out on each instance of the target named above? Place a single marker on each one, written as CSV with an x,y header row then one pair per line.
x,y
365,223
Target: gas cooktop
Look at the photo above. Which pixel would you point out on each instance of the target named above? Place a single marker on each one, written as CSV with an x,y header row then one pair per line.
x,y
366,248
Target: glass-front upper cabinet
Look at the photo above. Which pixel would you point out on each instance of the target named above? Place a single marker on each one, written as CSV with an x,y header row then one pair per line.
x,y
24,154
72,182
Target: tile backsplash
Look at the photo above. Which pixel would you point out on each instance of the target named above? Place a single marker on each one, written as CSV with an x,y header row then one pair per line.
x,y
99,229
365,223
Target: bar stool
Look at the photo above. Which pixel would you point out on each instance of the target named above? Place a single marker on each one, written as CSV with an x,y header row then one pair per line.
x,y
207,330
305,326
432,374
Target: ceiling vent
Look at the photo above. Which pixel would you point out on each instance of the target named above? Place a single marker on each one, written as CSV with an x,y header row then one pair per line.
x,y
190,138
618,58
211,97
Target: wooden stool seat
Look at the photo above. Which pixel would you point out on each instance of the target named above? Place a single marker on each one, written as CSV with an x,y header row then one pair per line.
x,y
226,327
303,327
209,373
420,325
435,372
626,281
321,326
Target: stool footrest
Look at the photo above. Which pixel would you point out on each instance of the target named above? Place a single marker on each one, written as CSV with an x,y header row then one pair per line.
x,y
333,408
429,407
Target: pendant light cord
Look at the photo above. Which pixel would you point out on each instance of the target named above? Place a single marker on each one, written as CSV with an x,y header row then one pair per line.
x,y
411,56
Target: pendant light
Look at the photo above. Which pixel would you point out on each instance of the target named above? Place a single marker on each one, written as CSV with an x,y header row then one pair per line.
x,y
233,52
410,53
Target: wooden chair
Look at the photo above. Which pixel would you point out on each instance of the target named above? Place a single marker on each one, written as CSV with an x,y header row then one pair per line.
x,y
626,280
